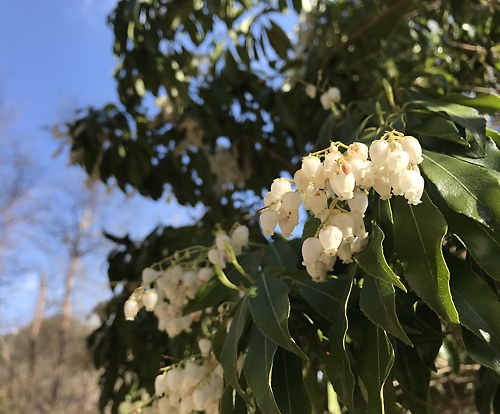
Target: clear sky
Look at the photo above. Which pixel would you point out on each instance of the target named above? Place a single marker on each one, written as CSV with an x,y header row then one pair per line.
x,y
56,56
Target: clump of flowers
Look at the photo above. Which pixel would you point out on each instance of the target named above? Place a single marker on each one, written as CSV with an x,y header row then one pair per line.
x,y
333,186
166,291
193,385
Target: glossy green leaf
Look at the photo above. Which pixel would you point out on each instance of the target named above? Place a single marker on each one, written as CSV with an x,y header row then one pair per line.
x,y
280,254
479,350
376,358
278,40
413,377
378,302
481,242
462,115
310,227
477,304
326,298
440,127
257,365
338,366
468,189
373,262
287,384
382,215
270,307
419,234
230,349
484,103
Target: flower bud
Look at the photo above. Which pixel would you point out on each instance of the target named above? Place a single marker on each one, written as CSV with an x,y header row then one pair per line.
x,y
280,186
379,151
312,249
149,299
130,309
330,238
412,146
316,270
205,345
268,221
310,165
357,150
290,202
359,201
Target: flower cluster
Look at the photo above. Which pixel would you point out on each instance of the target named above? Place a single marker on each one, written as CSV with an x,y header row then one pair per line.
x,y
176,285
333,186
192,385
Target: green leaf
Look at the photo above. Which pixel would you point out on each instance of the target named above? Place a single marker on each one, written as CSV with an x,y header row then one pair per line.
x,y
378,302
484,103
384,219
440,127
287,384
278,40
257,365
419,234
376,358
413,377
494,135
211,293
477,304
468,189
462,115
480,351
326,298
270,307
310,227
280,254
373,262
481,242
338,366
230,349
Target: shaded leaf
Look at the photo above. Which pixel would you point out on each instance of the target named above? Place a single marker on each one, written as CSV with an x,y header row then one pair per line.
x,y
287,384
373,262
230,349
378,303
484,103
419,234
338,366
270,307
477,304
376,358
257,364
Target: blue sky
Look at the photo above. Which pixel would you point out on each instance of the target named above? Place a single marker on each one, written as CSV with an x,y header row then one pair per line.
x,y
56,56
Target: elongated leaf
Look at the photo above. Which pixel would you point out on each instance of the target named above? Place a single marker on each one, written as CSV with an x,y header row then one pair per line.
x,y
383,218
258,364
270,307
326,298
419,234
230,349
314,390
440,127
484,103
462,115
480,351
211,293
280,254
481,242
378,303
413,377
375,362
373,262
468,189
287,384
477,304
338,366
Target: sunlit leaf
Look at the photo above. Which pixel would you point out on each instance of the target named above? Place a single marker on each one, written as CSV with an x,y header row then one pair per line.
x,y
373,262
468,189
419,234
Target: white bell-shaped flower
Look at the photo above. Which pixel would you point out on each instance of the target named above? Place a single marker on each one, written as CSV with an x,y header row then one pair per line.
x,y
315,200
412,146
345,223
359,243
161,384
205,345
316,270
239,239
330,163
149,299
186,404
397,161
343,184
359,201
280,186
330,237
287,222
290,202
301,180
395,181
205,274
357,150
379,151
149,275
268,221
310,165
272,202
130,309
311,249
344,252
383,187
412,183
221,239
218,257
359,224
